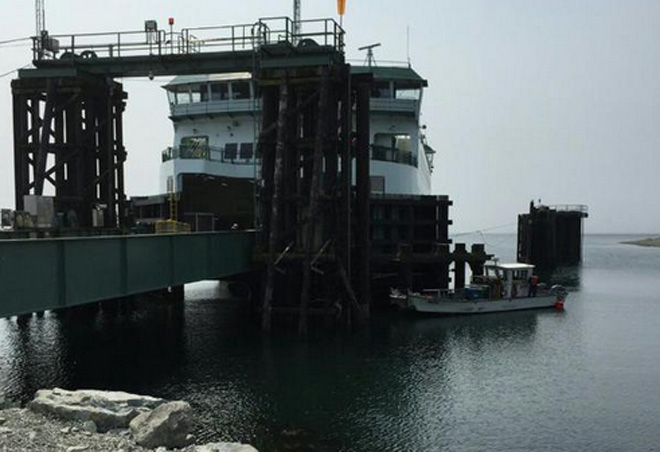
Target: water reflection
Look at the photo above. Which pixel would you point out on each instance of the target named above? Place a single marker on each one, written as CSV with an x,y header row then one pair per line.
x,y
492,382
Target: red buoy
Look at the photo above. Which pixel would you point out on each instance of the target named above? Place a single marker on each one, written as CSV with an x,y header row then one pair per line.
x,y
559,305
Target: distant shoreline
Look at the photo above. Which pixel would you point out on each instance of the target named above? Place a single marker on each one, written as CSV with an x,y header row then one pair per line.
x,y
652,242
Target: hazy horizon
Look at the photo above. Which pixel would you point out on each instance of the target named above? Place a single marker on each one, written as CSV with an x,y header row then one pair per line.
x,y
527,99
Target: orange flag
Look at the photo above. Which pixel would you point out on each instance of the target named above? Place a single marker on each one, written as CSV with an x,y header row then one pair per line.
x,y
341,7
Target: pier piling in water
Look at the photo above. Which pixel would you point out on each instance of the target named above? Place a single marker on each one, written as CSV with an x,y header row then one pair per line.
x,y
551,236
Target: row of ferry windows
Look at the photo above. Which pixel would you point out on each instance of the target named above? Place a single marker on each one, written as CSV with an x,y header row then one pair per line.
x,y
394,90
205,92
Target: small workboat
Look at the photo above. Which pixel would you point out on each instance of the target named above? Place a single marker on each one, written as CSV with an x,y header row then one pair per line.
x,y
502,287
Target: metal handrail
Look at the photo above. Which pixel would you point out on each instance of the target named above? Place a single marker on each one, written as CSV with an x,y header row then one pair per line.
x,y
385,154
582,208
208,153
266,31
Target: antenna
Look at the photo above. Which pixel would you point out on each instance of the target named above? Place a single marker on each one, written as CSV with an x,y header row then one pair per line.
x,y
296,19
408,43
40,13
370,60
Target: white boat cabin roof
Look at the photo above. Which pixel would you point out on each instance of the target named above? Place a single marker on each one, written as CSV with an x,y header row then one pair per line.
x,y
511,266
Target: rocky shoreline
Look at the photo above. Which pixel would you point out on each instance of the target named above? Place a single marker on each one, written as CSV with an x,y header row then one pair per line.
x,y
650,242
90,421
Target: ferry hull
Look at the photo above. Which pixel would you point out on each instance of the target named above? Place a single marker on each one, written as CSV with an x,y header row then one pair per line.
x,y
469,307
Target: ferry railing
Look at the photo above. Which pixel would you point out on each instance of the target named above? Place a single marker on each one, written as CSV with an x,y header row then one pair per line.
x,y
215,107
212,154
581,208
379,62
385,154
232,38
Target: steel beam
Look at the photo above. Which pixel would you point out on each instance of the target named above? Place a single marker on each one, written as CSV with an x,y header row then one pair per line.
x,y
46,274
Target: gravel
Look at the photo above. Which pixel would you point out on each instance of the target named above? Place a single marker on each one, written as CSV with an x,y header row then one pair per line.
x,y
24,430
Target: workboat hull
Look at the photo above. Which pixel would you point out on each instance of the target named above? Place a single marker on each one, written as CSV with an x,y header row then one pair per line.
x,y
427,305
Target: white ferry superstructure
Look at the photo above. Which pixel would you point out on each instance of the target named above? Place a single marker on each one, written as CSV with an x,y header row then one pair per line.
x,y
216,118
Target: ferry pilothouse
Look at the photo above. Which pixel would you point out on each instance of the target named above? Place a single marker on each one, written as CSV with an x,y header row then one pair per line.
x,y
216,119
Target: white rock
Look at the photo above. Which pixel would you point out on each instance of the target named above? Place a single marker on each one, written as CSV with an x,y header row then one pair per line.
x,y
77,448
225,447
107,409
2,420
5,430
168,426
65,430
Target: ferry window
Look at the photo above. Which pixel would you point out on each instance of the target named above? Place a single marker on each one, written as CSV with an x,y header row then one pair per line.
x,y
198,141
182,94
399,142
199,93
381,90
246,151
407,93
194,147
171,97
240,90
219,91
230,151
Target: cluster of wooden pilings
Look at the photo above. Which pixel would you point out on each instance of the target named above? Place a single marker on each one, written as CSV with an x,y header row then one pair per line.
x,y
417,271
68,133
314,226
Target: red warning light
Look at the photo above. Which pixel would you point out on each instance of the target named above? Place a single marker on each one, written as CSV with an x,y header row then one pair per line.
x,y
171,20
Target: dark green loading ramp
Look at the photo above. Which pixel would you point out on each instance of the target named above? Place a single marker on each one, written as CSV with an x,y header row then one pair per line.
x,y
43,274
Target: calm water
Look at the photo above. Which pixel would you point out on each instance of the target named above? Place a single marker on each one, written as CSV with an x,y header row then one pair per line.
x,y
587,379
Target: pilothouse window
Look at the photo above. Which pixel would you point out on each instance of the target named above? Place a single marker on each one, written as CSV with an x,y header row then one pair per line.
x,y
219,91
407,93
381,90
199,93
182,94
240,90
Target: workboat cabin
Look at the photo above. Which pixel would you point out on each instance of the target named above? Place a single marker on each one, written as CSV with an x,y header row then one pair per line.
x,y
503,281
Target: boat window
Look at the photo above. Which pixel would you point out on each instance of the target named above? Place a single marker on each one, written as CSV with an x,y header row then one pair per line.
x,y
182,94
200,93
240,90
407,93
231,151
171,97
520,274
381,90
399,142
194,147
219,91
247,151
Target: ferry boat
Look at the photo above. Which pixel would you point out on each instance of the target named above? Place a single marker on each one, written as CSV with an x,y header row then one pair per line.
x,y
216,121
502,288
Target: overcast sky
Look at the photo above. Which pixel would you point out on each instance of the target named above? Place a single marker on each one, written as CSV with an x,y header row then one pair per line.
x,y
550,99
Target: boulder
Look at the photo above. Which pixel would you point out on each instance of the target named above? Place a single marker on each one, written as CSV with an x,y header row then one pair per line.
x,y
225,447
169,425
107,409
